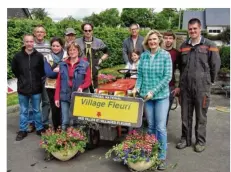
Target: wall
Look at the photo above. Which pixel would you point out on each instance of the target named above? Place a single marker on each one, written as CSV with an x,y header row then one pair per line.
x,y
215,28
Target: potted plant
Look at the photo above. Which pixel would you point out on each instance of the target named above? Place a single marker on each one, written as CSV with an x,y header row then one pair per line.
x,y
103,78
139,151
63,145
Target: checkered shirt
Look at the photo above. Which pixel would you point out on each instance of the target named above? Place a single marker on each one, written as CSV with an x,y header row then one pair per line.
x,y
154,74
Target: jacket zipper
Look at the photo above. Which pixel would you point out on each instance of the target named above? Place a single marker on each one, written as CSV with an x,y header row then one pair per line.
x,y
30,73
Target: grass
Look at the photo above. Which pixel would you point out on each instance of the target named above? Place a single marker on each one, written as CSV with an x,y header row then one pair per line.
x,y
113,71
12,99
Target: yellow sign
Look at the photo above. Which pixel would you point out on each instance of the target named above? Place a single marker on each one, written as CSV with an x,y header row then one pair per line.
x,y
105,107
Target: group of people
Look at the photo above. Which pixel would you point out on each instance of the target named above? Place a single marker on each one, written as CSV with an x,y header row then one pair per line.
x,y
51,72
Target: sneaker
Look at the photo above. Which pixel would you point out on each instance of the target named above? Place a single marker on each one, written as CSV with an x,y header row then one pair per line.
x,y
31,128
21,135
162,165
39,132
199,148
182,144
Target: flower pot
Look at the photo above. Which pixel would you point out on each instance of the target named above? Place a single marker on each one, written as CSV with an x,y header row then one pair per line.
x,y
64,155
141,166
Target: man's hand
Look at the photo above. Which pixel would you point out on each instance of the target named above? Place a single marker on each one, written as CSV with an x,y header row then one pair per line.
x,y
148,96
80,90
100,61
57,103
176,92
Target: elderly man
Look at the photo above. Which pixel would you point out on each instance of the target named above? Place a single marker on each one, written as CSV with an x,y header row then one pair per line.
x,y
91,47
133,42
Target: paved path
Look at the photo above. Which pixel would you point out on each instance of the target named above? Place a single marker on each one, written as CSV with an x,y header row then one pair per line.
x,y
26,156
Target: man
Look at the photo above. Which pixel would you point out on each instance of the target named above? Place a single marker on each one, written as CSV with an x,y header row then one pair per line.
x,y
43,46
134,42
28,67
70,36
169,38
91,48
199,64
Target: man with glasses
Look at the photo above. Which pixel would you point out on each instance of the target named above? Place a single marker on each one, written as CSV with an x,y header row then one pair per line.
x,y
134,42
91,48
199,64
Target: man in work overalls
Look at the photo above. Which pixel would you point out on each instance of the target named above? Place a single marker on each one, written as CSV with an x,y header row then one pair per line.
x,y
199,64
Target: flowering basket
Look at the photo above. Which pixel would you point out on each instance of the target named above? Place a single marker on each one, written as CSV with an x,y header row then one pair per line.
x,y
139,151
103,78
64,144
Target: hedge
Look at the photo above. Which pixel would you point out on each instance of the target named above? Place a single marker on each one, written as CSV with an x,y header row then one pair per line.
x,y
112,37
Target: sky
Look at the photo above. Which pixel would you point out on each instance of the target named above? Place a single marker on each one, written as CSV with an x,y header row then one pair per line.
x,y
78,13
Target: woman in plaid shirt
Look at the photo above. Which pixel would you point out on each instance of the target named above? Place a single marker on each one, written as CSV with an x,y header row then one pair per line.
x,y
154,75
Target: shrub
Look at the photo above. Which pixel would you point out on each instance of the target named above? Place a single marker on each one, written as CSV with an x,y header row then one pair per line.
x,y
225,57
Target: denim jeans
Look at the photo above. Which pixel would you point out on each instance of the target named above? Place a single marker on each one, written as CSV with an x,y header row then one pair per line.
x,y
24,115
156,113
65,109
31,117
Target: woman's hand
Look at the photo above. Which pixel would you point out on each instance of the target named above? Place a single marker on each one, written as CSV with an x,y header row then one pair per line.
x,y
148,96
80,90
134,91
56,69
57,103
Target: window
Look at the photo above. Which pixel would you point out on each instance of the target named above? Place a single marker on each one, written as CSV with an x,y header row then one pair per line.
x,y
210,31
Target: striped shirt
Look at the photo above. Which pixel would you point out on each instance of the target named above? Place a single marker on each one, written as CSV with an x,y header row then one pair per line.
x,y
154,74
43,47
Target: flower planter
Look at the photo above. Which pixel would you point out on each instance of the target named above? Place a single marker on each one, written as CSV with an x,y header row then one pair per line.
x,y
64,155
141,166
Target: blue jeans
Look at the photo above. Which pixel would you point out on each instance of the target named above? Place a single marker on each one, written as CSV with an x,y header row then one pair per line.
x,y
156,113
31,117
24,114
65,109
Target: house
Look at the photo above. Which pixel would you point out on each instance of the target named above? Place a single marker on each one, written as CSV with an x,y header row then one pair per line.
x,y
213,20
18,13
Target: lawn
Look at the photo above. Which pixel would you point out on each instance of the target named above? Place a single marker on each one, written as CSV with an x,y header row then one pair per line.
x,y
12,99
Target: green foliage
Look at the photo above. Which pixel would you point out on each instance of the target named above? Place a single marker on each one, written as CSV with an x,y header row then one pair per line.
x,y
195,9
12,99
225,57
110,17
143,16
39,13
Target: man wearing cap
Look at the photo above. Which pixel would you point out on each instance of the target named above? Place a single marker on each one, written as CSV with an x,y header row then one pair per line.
x,y
91,48
69,36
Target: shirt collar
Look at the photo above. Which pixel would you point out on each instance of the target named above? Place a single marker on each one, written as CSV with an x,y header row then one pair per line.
x,y
201,41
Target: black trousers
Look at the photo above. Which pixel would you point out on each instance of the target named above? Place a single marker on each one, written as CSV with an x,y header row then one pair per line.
x,y
200,102
56,112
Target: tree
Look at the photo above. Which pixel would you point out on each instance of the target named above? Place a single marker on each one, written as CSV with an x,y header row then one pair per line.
x,y
143,16
172,15
39,13
109,17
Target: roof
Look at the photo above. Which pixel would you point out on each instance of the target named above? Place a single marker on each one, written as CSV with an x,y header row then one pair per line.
x,y
18,12
217,16
193,14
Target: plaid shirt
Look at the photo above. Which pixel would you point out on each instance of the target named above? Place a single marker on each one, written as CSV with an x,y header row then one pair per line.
x,y
154,74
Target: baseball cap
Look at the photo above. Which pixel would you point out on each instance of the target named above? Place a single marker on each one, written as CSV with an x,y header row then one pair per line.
x,y
69,31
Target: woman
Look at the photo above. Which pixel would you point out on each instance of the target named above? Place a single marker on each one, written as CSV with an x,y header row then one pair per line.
x,y
74,75
51,66
154,75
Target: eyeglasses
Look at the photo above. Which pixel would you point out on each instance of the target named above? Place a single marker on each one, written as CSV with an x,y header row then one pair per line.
x,y
87,30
